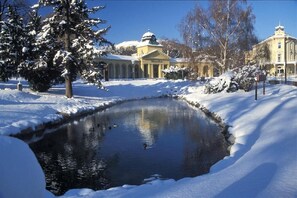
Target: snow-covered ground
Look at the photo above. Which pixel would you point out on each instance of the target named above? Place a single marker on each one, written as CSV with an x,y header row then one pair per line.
x,y
263,160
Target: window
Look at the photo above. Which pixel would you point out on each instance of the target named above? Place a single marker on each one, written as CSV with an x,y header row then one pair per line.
x,y
279,58
279,45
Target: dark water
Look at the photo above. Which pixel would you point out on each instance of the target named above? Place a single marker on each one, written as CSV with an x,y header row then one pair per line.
x,y
129,143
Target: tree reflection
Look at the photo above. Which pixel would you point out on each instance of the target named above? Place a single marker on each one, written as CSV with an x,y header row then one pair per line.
x,y
128,143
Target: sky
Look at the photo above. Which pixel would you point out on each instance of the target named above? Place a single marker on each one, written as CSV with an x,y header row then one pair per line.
x,y
129,20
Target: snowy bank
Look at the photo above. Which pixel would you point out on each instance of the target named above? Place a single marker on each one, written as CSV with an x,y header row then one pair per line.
x,y
27,111
21,174
263,158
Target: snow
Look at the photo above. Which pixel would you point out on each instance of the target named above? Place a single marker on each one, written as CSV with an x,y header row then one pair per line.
x,y
173,69
119,57
126,44
147,34
21,175
262,161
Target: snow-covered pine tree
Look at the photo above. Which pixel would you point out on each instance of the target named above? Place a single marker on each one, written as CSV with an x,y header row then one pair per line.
x,y
39,51
11,38
4,51
75,29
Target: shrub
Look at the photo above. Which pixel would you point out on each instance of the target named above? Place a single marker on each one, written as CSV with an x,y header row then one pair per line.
x,y
175,73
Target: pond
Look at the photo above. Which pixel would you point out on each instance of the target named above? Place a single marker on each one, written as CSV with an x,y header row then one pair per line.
x,y
130,143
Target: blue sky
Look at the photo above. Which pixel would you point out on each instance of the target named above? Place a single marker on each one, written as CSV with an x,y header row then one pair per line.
x,y
131,19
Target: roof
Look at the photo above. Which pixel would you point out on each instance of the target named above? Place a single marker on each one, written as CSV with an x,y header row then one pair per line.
x,y
147,43
147,34
144,55
276,36
119,57
148,38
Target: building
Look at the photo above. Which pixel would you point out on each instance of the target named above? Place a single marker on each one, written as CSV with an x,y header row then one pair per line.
x,y
276,54
149,61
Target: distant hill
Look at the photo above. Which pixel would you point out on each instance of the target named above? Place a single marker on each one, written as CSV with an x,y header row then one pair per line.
x,y
127,44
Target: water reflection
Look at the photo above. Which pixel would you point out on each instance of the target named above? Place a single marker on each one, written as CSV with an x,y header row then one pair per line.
x,y
128,143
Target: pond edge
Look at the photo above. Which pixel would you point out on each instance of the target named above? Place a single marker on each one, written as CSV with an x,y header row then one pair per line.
x,y
40,130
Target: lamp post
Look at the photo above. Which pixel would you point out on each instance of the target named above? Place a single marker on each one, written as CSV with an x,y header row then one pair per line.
x,y
285,59
133,69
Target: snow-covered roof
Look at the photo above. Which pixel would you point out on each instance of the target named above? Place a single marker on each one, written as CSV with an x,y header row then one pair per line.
x,y
147,43
280,27
119,57
149,38
148,35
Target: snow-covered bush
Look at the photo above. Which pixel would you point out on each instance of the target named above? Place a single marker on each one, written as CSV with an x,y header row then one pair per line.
x,y
174,72
245,76
222,83
239,78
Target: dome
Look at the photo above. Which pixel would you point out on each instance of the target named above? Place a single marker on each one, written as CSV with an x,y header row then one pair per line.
x,y
149,37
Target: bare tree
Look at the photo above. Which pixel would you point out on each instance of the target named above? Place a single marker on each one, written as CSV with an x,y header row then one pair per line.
x,y
174,48
220,30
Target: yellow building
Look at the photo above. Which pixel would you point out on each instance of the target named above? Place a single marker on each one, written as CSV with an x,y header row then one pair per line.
x,y
275,53
149,61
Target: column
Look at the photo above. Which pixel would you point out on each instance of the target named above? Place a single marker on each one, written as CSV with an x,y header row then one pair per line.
x,y
160,71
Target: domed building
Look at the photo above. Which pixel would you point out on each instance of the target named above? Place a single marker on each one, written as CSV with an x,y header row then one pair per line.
x,y
148,62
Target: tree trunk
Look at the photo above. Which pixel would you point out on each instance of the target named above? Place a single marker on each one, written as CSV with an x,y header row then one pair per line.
x,y
68,85
68,77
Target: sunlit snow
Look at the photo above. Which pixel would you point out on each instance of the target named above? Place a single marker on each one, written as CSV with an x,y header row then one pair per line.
x,y
263,158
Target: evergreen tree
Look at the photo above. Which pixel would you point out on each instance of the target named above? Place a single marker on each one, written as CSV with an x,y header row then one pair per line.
x,y
73,27
39,51
11,38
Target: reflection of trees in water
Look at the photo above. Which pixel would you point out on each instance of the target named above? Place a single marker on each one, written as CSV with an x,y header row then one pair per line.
x,y
72,156
69,155
153,123
204,147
